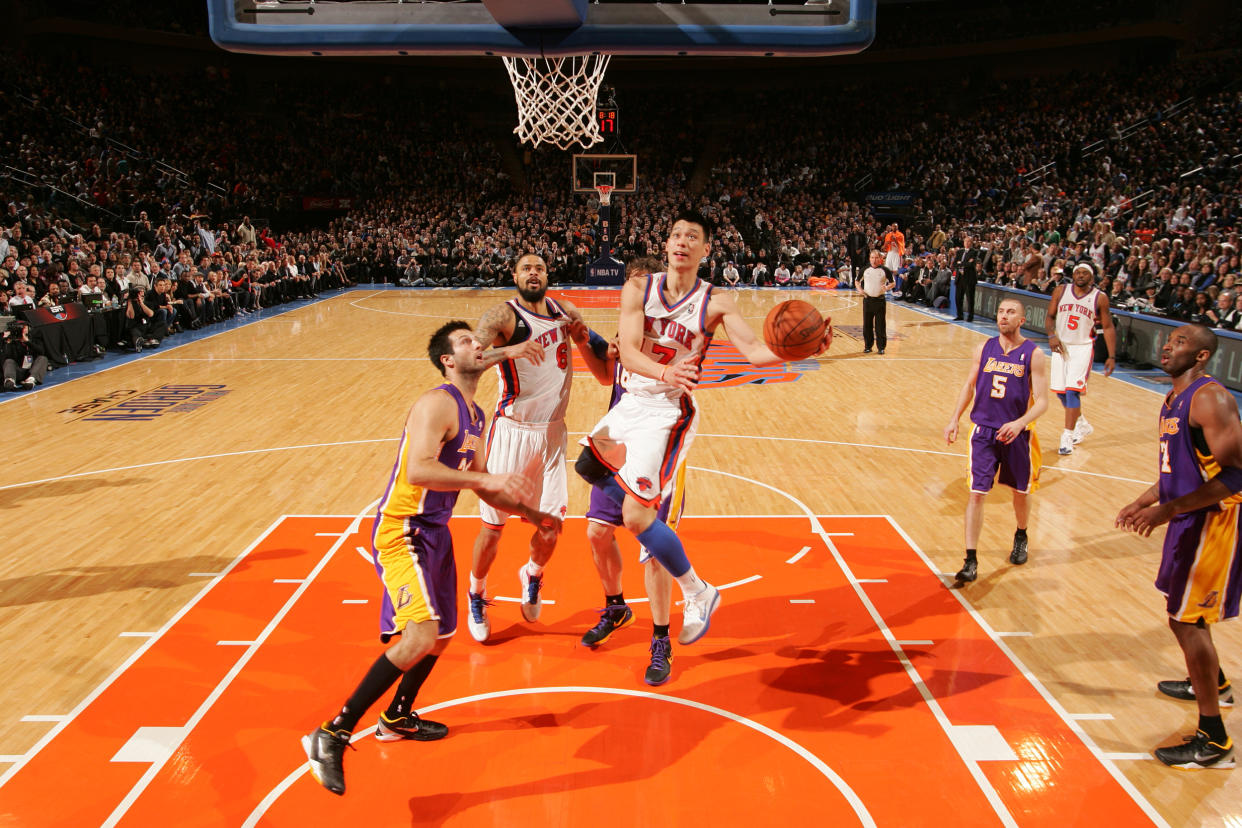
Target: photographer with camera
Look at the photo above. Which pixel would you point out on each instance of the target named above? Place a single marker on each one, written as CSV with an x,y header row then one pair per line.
x,y
24,364
141,322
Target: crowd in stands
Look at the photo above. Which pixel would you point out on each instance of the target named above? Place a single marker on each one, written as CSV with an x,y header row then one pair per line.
x,y
128,178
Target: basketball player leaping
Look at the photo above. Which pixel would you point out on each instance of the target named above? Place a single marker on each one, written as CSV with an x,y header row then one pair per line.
x,y
667,320
528,428
603,518
1072,314
1007,382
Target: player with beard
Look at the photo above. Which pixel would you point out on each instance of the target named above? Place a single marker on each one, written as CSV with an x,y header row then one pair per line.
x,y
528,435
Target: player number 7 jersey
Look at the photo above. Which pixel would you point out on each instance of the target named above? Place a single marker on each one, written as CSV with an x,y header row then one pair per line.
x,y
672,334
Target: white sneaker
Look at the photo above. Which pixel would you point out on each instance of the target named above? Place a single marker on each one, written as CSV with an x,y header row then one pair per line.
x,y
476,616
1082,429
1067,442
696,614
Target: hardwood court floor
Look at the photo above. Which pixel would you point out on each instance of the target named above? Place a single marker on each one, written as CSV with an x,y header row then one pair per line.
x,y
152,513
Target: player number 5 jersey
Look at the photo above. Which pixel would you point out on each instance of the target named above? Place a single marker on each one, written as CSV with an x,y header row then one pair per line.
x,y
1076,317
672,334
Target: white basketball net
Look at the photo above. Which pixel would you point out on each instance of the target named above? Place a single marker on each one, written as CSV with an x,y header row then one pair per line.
x,y
556,98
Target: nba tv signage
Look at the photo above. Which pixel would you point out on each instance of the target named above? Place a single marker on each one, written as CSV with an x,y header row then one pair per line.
x,y
605,271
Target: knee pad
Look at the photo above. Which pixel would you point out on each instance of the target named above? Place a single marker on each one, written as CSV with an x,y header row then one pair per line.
x,y
589,467
1072,399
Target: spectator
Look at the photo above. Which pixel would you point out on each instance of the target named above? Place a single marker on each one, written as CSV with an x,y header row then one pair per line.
x,y
25,365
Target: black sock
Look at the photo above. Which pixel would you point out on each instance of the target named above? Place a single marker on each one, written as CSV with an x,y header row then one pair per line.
x,y
1214,727
403,703
970,554
1221,680
382,675
1021,533
617,600
659,630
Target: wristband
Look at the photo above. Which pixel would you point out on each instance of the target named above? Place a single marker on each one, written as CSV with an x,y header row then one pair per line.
x,y
1231,476
598,344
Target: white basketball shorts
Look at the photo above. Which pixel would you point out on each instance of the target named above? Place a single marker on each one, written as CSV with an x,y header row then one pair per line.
x,y
644,440
536,450
1070,372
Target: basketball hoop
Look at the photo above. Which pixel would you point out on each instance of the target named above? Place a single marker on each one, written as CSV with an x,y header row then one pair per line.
x,y
556,98
605,194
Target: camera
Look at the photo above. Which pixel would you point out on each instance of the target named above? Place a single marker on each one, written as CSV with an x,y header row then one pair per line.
x,y
16,331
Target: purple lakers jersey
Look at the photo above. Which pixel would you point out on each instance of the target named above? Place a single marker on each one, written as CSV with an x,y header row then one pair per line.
x,y
1003,384
403,499
1185,459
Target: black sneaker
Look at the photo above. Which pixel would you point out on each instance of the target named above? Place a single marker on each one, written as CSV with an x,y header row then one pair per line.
x,y
409,727
611,619
661,666
1198,752
968,572
326,751
1017,557
532,603
1186,692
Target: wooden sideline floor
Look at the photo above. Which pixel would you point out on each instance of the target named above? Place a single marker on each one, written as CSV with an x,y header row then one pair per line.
x,y
128,491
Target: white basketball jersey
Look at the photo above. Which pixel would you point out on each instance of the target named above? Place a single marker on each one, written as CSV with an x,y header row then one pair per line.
x,y
531,393
1076,317
671,334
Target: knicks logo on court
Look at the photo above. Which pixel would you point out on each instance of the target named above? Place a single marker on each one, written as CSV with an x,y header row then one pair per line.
x,y
724,366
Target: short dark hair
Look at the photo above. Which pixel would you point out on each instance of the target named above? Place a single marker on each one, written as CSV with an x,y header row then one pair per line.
x,y
695,217
440,344
641,266
1205,338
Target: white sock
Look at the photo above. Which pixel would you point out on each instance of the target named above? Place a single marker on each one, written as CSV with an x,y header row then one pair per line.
x,y
691,584
478,585
533,569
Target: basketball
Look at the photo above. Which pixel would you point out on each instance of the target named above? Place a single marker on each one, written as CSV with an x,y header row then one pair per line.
x,y
794,329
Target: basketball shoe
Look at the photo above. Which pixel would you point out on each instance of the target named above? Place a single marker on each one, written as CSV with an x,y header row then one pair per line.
x,y
409,726
476,620
1198,752
1067,442
1082,429
1184,691
1017,555
326,751
696,614
968,572
611,619
532,603
661,666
